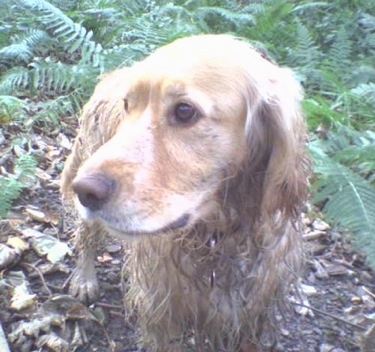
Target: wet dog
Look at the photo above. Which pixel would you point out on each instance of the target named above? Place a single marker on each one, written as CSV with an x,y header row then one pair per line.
x,y
197,155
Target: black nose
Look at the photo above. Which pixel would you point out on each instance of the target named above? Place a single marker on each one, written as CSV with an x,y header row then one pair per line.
x,y
94,190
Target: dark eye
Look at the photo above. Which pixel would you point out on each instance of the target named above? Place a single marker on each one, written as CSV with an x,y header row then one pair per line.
x,y
184,113
126,104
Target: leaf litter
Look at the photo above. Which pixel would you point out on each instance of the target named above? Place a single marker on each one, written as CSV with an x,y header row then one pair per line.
x,y
335,310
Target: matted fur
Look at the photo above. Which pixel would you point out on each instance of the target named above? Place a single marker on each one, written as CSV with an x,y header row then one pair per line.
x,y
238,172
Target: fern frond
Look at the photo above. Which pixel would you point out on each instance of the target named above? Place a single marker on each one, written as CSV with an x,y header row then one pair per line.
x,y
10,190
217,14
74,36
366,91
49,77
319,111
355,149
367,25
11,108
25,46
303,8
306,54
64,105
348,198
15,79
35,39
15,52
338,57
52,76
24,166
12,184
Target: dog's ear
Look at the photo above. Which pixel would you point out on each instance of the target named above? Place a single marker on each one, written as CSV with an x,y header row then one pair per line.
x,y
100,118
276,132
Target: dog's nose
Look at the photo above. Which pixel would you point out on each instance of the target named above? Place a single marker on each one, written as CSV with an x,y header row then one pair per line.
x,y
94,190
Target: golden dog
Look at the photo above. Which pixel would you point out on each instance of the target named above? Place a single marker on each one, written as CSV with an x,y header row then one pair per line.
x,y
197,152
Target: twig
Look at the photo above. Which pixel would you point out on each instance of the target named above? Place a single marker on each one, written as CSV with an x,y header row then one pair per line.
x,y
40,274
110,306
360,327
368,292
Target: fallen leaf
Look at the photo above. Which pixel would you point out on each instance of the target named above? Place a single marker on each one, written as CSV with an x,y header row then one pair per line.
x,y
22,298
53,342
42,175
308,290
45,244
64,141
313,235
106,257
17,243
319,224
58,252
8,256
36,214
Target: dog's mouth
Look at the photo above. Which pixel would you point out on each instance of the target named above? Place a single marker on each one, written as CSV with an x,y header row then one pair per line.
x,y
178,224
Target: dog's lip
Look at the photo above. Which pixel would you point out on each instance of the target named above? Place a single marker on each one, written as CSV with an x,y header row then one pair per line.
x,y
180,223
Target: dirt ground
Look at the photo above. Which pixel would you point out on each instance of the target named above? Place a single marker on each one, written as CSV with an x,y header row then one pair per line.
x,y
37,314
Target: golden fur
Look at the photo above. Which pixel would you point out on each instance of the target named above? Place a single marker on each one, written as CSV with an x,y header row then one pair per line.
x,y
198,153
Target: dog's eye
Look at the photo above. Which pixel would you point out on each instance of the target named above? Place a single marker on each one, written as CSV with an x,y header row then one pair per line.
x,y
126,105
184,113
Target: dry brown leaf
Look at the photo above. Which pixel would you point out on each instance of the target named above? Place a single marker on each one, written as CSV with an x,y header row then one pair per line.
x,y
106,257
53,342
42,175
22,298
8,256
37,215
319,224
17,243
45,244
64,141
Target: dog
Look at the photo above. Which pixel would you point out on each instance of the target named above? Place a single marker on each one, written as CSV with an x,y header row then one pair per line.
x,y
196,157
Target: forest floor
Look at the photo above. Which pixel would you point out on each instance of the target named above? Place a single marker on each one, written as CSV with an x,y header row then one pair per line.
x,y
37,314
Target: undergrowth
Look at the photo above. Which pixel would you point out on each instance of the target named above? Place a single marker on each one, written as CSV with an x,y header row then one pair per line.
x,y
52,52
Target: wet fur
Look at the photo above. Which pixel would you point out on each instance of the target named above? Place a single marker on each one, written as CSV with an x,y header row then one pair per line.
x,y
225,275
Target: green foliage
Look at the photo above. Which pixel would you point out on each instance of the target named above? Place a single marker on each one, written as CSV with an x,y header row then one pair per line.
x,y
12,184
345,164
52,52
10,107
73,36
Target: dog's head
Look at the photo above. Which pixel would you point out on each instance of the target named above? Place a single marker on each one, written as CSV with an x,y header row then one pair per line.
x,y
161,141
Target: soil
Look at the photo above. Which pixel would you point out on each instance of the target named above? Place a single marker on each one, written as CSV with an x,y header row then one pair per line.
x,y
337,314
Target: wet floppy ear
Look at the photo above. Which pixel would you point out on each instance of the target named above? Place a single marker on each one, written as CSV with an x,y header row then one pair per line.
x,y
277,134
100,118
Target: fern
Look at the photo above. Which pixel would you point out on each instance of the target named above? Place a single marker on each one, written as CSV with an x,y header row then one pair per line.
x,y
338,57
11,189
348,197
212,17
319,111
51,110
25,45
272,26
306,54
16,78
57,77
366,91
12,184
367,32
20,52
74,36
352,148
11,108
